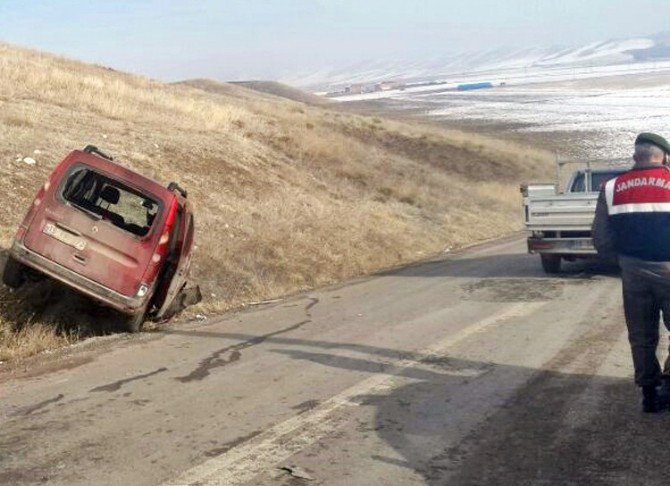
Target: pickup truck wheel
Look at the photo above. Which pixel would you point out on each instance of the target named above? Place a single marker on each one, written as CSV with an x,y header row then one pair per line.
x,y
551,264
134,323
14,273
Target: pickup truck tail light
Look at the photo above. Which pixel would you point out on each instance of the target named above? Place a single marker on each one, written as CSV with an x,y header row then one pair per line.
x,y
540,245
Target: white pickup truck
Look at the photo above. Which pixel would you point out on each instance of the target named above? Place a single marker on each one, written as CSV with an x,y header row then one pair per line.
x,y
560,222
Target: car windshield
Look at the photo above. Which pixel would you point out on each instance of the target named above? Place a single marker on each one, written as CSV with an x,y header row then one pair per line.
x,y
110,200
597,180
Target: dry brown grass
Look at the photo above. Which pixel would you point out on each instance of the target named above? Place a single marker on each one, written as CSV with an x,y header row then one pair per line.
x,y
287,196
32,339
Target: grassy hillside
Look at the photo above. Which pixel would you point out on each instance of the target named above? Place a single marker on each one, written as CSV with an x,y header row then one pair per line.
x,y
288,196
265,90
228,90
284,91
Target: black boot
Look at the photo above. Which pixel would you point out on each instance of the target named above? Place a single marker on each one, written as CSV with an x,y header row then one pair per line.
x,y
664,392
650,401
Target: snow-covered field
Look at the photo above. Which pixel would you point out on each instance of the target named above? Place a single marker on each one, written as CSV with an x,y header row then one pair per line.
x,y
594,116
522,77
587,101
609,119
496,59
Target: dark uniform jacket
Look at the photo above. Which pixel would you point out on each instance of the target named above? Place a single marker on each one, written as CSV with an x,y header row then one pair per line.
x,y
633,220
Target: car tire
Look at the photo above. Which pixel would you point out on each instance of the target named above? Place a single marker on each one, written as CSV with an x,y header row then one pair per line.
x,y
551,264
14,273
134,322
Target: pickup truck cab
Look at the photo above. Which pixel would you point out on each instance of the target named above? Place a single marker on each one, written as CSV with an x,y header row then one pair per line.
x,y
559,222
108,232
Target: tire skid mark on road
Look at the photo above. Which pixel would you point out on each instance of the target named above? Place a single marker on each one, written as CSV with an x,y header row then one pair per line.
x,y
246,461
583,354
595,354
538,423
589,402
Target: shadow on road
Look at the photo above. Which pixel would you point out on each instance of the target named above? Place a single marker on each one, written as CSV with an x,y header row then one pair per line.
x,y
518,265
558,428
536,437
539,435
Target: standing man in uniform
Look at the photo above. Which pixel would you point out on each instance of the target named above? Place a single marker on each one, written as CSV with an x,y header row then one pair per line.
x,y
633,222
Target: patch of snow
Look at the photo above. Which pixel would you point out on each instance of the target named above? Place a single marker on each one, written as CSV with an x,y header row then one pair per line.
x,y
499,59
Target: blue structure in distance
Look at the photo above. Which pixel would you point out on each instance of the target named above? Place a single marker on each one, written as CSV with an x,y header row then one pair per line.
x,y
472,86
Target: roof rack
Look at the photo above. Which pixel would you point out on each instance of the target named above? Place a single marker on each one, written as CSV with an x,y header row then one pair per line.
x,y
615,162
92,149
173,186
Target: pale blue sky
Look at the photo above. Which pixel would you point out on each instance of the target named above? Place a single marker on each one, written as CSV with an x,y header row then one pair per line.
x,y
242,39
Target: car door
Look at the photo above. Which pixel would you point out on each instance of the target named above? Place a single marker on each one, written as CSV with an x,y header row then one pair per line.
x,y
179,263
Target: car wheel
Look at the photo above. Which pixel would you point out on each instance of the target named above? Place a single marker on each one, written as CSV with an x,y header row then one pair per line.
x,y
551,264
14,273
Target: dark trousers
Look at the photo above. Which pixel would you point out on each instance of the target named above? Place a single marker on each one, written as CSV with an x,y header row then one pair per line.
x,y
644,300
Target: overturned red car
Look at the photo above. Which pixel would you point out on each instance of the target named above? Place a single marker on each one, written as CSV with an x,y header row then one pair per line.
x,y
110,233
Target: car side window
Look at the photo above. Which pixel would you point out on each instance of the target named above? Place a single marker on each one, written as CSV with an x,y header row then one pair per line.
x,y
579,184
599,180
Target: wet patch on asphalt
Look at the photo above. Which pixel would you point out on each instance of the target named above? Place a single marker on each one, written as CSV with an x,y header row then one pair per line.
x,y
140,402
306,406
33,408
33,475
118,384
513,290
222,449
308,307
217,359
454,367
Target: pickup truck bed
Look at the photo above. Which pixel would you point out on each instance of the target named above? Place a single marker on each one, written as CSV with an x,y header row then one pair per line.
x,y
560,224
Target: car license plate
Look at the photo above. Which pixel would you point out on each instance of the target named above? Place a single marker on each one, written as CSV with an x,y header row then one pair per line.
x,y
64,237
585,245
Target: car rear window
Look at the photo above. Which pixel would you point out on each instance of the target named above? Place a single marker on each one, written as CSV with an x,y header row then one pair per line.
x,y
597,180
600,178
110,200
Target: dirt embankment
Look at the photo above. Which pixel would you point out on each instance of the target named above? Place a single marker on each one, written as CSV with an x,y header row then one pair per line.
x,y
288,196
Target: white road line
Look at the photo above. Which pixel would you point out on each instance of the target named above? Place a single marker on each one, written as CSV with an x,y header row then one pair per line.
x,y
244,462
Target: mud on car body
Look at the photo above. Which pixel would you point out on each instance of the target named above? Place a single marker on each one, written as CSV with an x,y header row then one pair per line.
x,y
110,233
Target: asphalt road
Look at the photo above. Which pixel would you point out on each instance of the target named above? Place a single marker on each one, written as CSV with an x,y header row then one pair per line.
x,y
474,369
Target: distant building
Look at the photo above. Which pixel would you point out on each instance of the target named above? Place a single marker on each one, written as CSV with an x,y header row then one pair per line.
x,y
387,86
355,89
473,86
361,88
